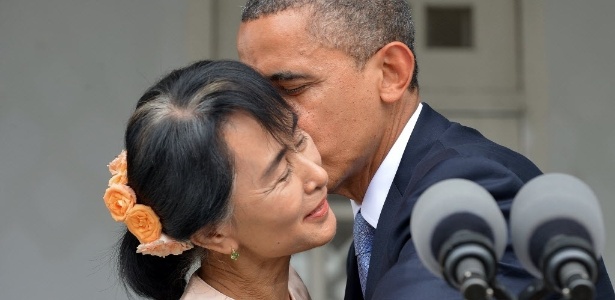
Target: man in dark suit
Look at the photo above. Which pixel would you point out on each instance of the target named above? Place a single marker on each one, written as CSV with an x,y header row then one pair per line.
x,y
349,69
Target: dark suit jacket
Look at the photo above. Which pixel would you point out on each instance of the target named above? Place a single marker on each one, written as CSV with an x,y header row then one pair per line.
x,y
439,149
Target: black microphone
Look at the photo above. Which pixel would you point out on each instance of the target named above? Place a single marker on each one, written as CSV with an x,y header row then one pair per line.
x,y
558,235
459,234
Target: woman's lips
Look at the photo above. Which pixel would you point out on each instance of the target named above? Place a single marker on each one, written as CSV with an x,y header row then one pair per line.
x,y
320,211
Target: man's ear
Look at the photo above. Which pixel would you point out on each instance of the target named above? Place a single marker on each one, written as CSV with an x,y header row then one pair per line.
x,y
397,64
219,239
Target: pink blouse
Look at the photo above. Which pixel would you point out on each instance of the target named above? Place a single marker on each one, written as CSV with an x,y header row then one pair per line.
x,y
198,289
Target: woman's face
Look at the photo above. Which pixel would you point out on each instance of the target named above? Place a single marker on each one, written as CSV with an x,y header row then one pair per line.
x,y
279,193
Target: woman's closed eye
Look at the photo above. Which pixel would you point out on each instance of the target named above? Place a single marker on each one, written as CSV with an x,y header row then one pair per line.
x,y
299,146
301,142
282,179
287,173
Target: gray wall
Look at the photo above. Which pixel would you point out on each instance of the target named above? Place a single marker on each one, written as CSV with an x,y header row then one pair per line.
x,y
580,44
72,70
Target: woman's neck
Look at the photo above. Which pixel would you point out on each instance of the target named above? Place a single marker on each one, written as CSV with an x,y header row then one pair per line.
x,y
247,278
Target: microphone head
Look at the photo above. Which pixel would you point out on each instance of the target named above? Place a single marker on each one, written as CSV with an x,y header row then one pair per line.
x,y
553,205
446,205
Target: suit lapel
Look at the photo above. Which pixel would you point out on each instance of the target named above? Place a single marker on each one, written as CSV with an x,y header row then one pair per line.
x,y
428,128
379,257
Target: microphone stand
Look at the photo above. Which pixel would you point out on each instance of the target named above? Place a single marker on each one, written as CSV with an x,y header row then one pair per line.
x,y
569,269
501,293
469,265
537,290
474,287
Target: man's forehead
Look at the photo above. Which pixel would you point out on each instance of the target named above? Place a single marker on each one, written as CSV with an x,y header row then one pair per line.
x,y
282,22
257,43
281,62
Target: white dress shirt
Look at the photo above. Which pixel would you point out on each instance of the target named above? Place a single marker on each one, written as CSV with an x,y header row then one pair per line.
x,y
380,184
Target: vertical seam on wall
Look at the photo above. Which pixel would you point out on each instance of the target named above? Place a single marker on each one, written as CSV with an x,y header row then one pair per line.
x,y
215,29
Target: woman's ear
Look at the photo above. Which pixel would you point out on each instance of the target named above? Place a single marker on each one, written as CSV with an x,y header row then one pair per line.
x,y
219,239
397,64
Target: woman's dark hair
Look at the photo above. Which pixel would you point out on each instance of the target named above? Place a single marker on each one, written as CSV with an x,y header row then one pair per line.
x,y
180,165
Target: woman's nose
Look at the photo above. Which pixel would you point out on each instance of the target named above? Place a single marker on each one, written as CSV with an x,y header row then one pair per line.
x,y
315,177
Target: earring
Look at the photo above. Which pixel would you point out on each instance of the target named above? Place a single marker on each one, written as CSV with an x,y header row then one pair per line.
x,y
234,254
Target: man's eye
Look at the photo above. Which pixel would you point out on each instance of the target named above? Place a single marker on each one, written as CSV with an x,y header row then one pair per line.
x,y
293,91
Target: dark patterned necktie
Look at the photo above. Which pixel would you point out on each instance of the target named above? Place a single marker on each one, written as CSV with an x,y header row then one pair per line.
x,y
363,237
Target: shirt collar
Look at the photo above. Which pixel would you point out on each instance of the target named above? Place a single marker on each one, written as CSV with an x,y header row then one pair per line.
x,y
380,184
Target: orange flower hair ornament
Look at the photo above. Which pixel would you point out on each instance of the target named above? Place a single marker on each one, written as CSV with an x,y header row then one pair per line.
x,y
140,219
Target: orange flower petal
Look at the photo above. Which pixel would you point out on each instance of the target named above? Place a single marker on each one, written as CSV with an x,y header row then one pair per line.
x,y
119,178
143,223
164,246
118,164
119,199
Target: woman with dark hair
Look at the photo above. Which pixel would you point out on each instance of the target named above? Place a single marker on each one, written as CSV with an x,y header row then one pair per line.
x,y
216,172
